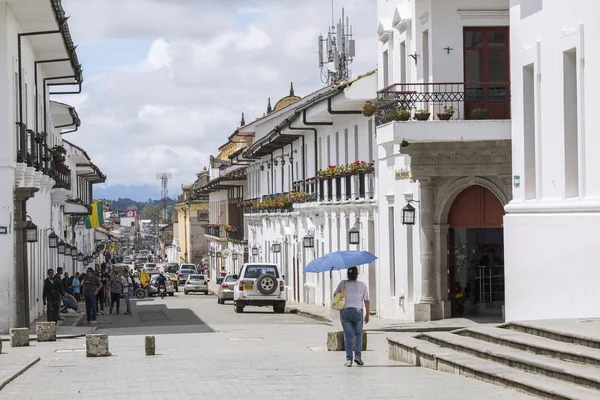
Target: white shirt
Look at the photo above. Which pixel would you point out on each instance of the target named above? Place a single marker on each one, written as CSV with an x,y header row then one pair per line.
x,y
127,284
356,293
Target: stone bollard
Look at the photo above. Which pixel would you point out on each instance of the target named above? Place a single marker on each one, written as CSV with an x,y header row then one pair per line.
x,y
150,346
45,331
96,345
19,337
335,341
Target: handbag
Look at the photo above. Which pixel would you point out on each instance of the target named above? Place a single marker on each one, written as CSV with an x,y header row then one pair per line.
x,y
339,300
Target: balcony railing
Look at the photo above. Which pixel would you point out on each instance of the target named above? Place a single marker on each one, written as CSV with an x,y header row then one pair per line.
x,y
235,235
359,186
443,101
62,177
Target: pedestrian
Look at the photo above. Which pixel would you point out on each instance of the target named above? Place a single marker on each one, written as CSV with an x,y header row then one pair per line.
x,y
58,279
127,290
102,294
75,284
116,288
66,284
91,286
51,296
351,316
103,266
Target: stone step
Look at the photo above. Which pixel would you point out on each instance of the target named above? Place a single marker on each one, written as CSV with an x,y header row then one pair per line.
x,y
587,376
405,347
553,333
534,344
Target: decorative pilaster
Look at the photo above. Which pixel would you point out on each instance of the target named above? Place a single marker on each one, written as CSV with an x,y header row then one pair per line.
x,y
428,243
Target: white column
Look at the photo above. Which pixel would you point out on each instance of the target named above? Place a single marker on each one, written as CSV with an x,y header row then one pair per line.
x,y
428,243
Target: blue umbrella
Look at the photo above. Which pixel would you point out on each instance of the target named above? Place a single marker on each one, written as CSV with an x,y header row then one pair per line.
x,y
339,260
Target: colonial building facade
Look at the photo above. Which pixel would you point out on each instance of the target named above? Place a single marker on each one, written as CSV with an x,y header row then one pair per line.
x,y
192,215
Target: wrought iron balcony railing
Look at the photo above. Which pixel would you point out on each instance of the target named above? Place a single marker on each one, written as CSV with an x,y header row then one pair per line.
x,y
443,101
360,186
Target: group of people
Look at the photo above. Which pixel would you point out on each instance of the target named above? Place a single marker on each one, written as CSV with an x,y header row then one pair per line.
x,y
93,287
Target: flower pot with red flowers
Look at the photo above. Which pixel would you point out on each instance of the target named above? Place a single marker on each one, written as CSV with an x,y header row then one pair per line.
x,y
422,115
447,114
369,108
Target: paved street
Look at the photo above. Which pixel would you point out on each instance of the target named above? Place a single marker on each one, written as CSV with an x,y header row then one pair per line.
x,y
206,351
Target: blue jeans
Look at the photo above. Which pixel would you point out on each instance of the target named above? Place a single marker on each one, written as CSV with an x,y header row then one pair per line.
x,y
90,307
352,322
127,303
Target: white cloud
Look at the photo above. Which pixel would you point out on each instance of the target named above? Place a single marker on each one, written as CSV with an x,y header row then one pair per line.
x,y
207,61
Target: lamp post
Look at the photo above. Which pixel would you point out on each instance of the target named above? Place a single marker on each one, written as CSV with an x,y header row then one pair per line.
x,y
32,233
354,235
409,213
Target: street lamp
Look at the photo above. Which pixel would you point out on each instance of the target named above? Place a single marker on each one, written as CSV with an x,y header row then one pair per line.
x,y
61,247
73,252
354,235
32,233
308,242
408,214
234,256
276,247
52,240
255,251
80,256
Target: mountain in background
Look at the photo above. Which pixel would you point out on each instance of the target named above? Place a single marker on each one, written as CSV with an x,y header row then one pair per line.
x,y
138,193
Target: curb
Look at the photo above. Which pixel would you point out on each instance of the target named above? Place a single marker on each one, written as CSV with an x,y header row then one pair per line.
x,y
317,317
20,372
417,330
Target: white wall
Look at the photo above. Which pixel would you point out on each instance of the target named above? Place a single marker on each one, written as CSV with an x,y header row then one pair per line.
x,y
551,236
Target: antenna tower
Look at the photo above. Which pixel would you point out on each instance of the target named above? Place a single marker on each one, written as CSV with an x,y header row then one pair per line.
x,y
337,50
164,179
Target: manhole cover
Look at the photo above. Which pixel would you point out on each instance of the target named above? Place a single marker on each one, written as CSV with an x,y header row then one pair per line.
x,y
67,350
250,339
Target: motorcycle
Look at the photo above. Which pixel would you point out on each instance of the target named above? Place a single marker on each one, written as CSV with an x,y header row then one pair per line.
x,y
138,290
162,290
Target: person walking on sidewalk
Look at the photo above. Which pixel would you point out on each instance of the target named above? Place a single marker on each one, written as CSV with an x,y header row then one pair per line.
x,y
351,315
102,295
51,296
91,286
76,287
116,288
127,283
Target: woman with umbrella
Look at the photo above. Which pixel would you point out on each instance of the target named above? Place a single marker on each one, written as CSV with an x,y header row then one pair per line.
x,y
349,297
351,315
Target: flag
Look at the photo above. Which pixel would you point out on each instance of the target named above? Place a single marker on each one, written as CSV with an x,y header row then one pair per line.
x,y
97,217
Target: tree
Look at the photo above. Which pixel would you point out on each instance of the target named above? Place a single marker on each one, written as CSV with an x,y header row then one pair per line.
x,y
151,212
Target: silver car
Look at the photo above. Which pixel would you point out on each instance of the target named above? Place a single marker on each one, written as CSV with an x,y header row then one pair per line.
x,y
195,283
225,291
153,287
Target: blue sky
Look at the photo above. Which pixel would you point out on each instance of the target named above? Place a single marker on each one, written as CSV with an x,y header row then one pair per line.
x,y
160,75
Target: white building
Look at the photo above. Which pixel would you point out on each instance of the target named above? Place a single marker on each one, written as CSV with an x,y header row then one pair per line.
x,y
551,223
457,172
287,200
36,55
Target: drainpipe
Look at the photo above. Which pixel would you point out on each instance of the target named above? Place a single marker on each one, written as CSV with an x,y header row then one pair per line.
x,y
282,170
331,111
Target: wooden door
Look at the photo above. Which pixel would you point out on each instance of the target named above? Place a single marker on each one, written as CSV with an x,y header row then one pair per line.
x,y
487,71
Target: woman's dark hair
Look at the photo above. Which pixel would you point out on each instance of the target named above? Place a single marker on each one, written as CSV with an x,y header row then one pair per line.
x,y
352,274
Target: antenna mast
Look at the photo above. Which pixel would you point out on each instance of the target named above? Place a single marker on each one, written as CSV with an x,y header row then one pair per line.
x,y
337,50
164,179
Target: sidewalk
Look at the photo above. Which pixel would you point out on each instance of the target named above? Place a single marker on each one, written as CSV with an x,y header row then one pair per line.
x,y
68,328
388,325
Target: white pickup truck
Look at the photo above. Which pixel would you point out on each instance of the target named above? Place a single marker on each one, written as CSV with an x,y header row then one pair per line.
x,y
260,285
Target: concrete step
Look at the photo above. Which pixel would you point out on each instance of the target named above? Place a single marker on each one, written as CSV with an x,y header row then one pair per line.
x,y
534,344
405,347
587,376
553,333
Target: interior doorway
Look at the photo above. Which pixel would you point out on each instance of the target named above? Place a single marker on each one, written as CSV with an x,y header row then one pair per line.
x,y
476,253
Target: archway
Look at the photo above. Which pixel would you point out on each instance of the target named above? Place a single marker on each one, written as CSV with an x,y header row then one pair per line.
x,y
476,253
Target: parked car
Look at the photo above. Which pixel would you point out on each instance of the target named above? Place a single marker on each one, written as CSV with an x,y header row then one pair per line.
x,y
153,287
260,285
226,288
127,260
151,268
183,275
141,260
175,279
195,283
189,266
172,267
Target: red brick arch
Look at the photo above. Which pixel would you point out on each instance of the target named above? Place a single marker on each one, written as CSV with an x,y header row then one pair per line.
x,y
476,207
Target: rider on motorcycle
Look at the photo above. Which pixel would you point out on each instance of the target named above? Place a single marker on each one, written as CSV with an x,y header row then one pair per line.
x,y
161,281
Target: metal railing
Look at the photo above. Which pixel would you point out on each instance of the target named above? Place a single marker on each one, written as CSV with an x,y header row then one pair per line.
x,y
359,186
62,177
443,101
235,235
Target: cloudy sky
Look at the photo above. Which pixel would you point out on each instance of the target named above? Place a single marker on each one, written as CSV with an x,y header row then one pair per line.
x,y
166,81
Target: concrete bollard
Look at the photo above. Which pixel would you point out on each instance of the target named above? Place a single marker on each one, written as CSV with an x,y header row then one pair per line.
x,y
150,346
335,341
96,345
46,331
19,337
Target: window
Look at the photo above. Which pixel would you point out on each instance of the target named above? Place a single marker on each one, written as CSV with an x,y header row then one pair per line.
x,y
202,215
570,123
529,132
386,80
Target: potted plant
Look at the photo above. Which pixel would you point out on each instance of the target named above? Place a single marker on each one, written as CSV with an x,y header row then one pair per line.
x,y
446,114
422,115
479,113
369,108
401,115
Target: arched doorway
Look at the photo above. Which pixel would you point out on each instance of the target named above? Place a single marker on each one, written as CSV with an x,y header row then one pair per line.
x,y
476,253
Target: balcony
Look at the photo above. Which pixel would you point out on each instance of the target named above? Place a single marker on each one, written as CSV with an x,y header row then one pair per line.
x,y
214,230
234,233
62,177
443,112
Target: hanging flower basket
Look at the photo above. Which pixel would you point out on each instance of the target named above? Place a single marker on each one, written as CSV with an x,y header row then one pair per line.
x,y
447,114
422,115
368,109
